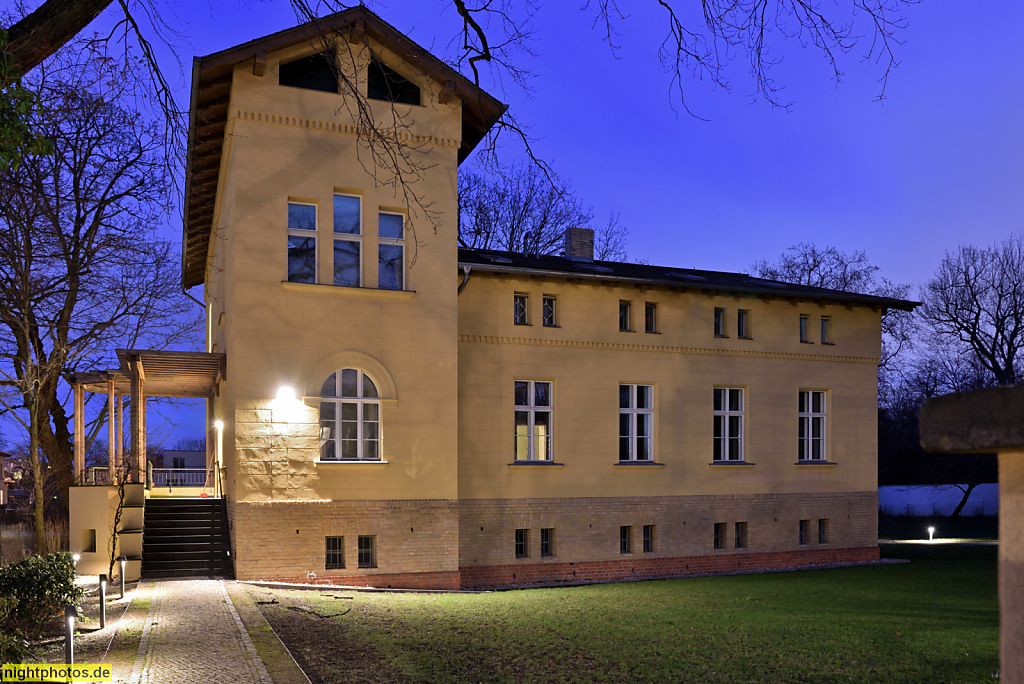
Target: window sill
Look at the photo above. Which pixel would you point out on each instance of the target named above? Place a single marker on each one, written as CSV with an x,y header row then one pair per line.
x,y
542,464
346,291
551,326
629,331
642,464
523,325
731,464
816,464
806,342
744,338
651,332
351,463
829,344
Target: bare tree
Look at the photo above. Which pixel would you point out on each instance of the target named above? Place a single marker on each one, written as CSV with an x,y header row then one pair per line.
x,y
80,267
524,210
976,299
828,267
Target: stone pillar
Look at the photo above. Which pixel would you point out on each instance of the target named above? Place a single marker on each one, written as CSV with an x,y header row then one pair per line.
x,y
1011,567
991,420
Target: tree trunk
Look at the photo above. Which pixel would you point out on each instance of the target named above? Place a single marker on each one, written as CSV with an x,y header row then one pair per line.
x,y
39,505
57,444
963,502
48,28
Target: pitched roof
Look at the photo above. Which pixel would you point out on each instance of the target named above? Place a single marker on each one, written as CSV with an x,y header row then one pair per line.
x,y
208,112
665,276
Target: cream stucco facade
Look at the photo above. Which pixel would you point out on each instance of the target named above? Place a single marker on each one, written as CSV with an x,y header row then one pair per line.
x,y
440,503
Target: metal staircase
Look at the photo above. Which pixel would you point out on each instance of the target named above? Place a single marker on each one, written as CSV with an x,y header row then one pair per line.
x,y
185,537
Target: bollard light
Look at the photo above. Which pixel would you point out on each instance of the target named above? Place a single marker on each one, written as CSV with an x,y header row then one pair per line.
x,y
123,560
931,534
70,614
76,557
103,601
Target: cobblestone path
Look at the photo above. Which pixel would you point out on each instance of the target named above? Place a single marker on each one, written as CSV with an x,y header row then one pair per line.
x,y
193,634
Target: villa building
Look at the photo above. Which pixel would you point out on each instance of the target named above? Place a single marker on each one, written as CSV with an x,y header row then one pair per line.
x,y
392,410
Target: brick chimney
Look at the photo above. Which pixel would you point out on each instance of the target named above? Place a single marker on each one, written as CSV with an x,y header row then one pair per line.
x,y
579,244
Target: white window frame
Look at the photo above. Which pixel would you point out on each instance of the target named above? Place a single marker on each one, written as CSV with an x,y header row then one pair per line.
x,y
298,232
805,428
348,237
398,242
722,455
826,330
651,318
804,333
531,434
719,327
546,321
626,306
524,298
361,403
743,324
632,411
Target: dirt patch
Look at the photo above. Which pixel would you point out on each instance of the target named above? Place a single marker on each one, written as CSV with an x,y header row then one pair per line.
x,y
318,629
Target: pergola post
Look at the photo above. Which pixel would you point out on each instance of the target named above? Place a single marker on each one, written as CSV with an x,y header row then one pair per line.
x,y
119,429
111,432
79,444
138,417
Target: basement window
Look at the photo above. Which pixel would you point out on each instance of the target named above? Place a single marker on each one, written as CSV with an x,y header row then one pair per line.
x,y
367,551
334,558
384,83
316,72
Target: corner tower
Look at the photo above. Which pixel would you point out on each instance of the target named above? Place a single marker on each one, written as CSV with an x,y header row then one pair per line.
x,y
321,217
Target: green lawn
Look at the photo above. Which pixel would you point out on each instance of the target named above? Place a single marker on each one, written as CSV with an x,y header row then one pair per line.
x,y
932,620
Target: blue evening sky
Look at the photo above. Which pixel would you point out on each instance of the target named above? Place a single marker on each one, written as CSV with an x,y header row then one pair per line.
x,y
936,165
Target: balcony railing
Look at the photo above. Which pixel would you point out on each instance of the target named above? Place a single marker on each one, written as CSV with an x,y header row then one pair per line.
x,y
179,477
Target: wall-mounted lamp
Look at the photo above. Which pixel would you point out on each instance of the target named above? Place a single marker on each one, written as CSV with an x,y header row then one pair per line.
x,y
219,424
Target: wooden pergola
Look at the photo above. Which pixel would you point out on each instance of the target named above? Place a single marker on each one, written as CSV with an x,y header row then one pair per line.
x,y
143,373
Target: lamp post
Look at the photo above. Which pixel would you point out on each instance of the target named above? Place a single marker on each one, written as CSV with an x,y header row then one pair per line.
x,y
931,534
103,601
70,615
123,560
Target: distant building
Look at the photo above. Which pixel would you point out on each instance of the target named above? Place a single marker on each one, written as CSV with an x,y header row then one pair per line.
x,y
400,412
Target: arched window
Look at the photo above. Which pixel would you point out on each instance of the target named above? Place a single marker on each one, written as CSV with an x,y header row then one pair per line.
x,y
349,417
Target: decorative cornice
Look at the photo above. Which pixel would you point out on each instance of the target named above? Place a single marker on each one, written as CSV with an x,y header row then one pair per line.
x,y
658,349
335,127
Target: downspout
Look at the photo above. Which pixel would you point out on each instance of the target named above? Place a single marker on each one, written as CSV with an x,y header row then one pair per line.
x,y
466,270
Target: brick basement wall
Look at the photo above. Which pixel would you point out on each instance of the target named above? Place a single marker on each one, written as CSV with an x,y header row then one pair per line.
x,y
448,581
645,568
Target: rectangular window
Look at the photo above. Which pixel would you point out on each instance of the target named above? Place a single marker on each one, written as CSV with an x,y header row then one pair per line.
x,y
648,538
520,308
547,542
804,320
636,422
720,535
823,531
391,252
625,539
533,420
550,314
347,240
728,410
522,543
650,317
334,556
743,324
720,322
367,551
812,426
301,243
804,525
741,535
625,324
826,330
89,541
